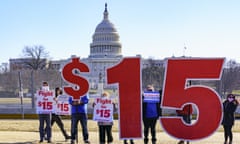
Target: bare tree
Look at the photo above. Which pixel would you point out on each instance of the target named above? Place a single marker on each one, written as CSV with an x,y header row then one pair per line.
x,y
37,57
230,77
36,60
153,75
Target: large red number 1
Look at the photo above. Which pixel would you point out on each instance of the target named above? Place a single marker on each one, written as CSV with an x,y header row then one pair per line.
x,y
207,101
128,74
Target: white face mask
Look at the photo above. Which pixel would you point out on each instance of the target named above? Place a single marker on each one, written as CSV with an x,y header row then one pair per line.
x,y
45,88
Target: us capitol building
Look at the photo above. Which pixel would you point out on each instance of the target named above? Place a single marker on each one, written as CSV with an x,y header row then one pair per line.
x,y
105,52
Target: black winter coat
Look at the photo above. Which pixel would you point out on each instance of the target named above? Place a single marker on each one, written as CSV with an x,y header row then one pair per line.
x,y
228,112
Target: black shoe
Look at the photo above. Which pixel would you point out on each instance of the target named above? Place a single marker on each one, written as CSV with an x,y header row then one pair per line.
x,y
181,142
41,141
87,142
49,141
67,138
72,142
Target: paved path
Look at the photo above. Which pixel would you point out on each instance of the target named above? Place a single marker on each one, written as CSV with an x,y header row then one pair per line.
x,y
9,137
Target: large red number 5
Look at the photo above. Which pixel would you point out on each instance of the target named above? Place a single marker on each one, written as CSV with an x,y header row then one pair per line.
x,y
128,76
207,101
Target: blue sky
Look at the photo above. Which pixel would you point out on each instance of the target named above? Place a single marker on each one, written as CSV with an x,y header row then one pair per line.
x,y
156,28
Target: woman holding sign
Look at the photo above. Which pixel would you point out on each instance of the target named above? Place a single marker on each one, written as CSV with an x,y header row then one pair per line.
x,y
57,118
103,113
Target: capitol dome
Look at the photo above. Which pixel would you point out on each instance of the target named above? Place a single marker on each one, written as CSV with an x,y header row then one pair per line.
x,y
105,41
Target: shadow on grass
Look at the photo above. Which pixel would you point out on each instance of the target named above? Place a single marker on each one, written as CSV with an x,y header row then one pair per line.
x,y
36,142
20,143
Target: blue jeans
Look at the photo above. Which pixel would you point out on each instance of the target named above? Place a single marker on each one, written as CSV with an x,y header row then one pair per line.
x,y
75,118
45,118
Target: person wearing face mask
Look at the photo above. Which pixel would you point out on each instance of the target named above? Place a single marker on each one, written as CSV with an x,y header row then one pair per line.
x,y
151,112
105,126
57,118
229,107
45,118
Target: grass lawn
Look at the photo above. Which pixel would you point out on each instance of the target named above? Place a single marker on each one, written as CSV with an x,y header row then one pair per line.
x,y
32,125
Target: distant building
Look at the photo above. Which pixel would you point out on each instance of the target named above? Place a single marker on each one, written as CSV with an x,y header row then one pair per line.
x,y
152,62
23,64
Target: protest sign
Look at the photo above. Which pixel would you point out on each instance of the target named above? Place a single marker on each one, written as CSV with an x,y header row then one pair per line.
x,y
44,102
63,107
103,110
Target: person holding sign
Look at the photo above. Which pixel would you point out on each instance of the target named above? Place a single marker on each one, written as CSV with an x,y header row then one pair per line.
x,y
79,113
103,114
44,109
229,107
151,112
57,118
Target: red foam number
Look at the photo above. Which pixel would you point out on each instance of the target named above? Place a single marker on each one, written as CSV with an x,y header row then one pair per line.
x,y
205,99
70,75
127,75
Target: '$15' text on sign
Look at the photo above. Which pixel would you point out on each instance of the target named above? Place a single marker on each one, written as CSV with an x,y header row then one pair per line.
x,y
103,110
127,74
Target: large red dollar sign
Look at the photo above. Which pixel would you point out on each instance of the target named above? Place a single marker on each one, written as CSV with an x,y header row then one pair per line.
x,y
69,74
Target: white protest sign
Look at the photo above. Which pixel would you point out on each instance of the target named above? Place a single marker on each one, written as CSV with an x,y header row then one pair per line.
x,y
63,107
103,110
44,102
151,97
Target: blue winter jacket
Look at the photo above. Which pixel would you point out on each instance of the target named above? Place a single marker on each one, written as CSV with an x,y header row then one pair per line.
x,y
151,109
79,108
